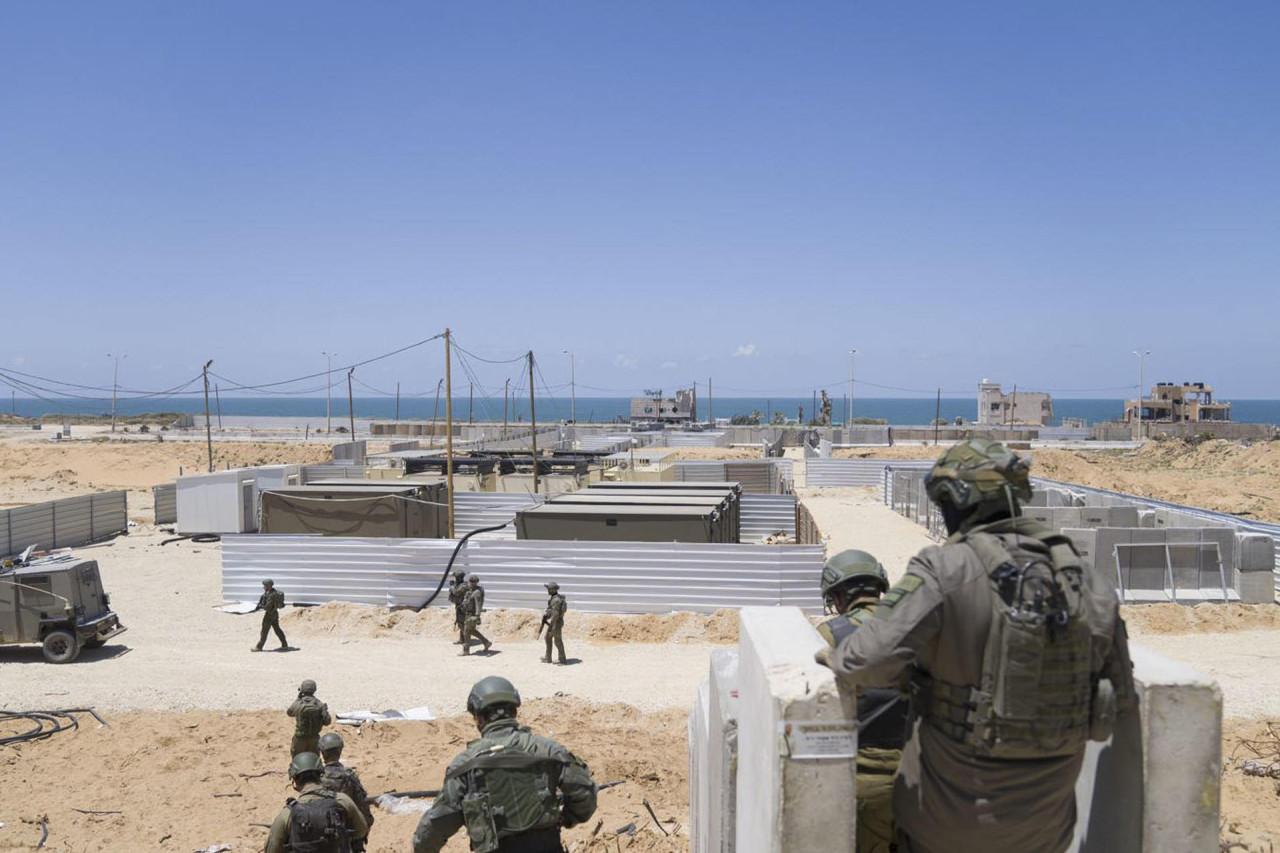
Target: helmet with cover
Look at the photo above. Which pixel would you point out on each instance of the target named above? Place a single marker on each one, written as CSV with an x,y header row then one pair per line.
x,y
305,763
331,742
850,569
308,687
491,691
976,480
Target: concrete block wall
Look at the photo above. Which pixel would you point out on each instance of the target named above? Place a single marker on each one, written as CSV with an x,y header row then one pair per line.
x,y
785,701
722,753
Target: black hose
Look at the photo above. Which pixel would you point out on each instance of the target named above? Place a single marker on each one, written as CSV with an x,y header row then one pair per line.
x,y
449,566
43,724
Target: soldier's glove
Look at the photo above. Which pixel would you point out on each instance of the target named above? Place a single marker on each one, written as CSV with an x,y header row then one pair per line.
x,y
826,657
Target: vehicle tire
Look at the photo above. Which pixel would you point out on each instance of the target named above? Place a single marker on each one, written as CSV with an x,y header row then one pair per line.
x,y
60,647
95,643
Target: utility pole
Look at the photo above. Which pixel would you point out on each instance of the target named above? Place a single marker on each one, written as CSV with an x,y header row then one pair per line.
x,y
506,393
533,423
351,404
573,389
849,413
218,399
937,416
328,391
397,401
711,415
208,431
115,382
1137,411
471,403
448,417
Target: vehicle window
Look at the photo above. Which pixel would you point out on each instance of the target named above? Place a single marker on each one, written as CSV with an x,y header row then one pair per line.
x,y
37,591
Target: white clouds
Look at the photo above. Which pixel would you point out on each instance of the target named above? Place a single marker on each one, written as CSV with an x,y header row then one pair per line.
x,y
669,365
745,351
625,361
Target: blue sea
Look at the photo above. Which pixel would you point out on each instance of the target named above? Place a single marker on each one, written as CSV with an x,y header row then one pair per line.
x,y
895,410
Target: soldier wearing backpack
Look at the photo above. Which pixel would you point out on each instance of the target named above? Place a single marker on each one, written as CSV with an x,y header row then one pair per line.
x,y
553,621
503,787
1016,657
340,778
317,820
312,716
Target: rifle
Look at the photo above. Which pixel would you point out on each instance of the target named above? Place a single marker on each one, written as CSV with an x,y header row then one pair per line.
x,y
545,619
416,795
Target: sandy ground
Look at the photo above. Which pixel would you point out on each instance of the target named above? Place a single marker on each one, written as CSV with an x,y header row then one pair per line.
x,y
1234,477
32,471
857,518
184,782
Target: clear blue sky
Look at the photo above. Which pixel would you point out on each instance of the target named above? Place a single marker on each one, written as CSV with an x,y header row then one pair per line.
x,y
1019,191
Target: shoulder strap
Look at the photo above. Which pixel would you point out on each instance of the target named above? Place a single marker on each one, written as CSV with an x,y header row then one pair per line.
x,y
505,760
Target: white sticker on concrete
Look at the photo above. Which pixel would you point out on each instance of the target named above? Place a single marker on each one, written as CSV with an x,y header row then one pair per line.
x,y
818,738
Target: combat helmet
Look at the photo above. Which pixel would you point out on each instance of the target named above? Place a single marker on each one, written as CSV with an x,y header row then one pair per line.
x,y
308,687
459,574
331,742
268,582
490,691
473,579
305,762
852,568
552,587
977,477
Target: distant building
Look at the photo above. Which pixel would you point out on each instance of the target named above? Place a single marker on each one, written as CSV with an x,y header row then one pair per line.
x,y
1019,407
1190,402
680,409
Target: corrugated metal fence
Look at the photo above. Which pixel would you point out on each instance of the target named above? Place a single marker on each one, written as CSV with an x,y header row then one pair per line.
x,y
600,577
765,515
166,501
312,473
851,473
758,476
474,510
63,523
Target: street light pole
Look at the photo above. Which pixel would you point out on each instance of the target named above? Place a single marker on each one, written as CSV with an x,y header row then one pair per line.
x,y
115,382
328,392
1137,410
573,389
849,414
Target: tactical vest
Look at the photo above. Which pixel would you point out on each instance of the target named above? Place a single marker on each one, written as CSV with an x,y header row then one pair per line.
x,y
310,719
1035,692
337,779
318,826
882,711
508,793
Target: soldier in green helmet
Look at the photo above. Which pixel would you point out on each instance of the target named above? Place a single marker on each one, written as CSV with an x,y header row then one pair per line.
x,y
458,594
317,820
270,603
1016,657
342,779
502,787
472,607
852,583
312,715
553,621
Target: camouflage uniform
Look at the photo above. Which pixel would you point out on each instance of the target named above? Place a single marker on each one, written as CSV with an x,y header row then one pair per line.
x,y
502,787
882,713
270,603
553,618
1013,652
278,835
472,606
457,594
312,715
343,780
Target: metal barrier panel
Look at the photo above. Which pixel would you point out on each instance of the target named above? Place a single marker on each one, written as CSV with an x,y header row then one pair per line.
x,y
63,523
474,510
853,473
311,473
166,503
765,515
597,577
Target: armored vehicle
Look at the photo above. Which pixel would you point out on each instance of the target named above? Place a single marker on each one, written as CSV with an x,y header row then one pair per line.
x,y
59,603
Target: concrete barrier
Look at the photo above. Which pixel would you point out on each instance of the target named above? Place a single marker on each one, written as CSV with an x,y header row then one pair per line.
x,y
797,737
722,751
700,790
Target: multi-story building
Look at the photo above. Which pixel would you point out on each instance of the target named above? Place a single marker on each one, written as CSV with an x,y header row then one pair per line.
x,y
1190,402
1018,407
680,409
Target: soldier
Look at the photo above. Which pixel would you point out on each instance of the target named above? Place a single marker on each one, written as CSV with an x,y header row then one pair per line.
x,y
502,787
342,779
852,583
472,606
1016,658
270,602
312,715
318,820
457,592
553,621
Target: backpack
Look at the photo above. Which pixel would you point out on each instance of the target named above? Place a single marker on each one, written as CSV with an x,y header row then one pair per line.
x,y
310,718
318,826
